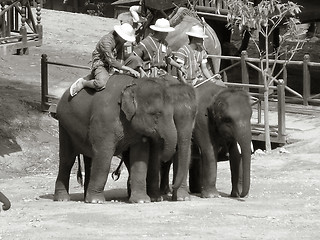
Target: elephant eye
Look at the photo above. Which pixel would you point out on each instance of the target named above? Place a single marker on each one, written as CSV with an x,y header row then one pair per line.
x,y
226,120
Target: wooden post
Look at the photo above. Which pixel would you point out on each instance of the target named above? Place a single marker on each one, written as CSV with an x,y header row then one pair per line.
x,y
244,69
306,79
23,29
44,82
39,26
281,110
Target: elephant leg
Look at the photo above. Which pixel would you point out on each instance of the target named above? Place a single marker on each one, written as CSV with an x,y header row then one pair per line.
x,y
100,168
153,174
195,170
209,172
87,169
235,159
164,183
67,159
5,201
139,155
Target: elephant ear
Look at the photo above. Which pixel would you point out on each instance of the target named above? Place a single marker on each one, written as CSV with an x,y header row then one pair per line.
x,y
128,101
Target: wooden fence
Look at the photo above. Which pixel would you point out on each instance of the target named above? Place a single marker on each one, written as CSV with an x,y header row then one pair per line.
x,y
19,30
277,131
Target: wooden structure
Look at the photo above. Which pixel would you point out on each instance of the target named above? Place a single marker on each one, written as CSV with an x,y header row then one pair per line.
x,y
19,30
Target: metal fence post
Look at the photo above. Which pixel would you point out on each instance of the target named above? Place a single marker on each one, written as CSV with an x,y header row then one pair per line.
x,y
306,79
44,82
281,110
244,69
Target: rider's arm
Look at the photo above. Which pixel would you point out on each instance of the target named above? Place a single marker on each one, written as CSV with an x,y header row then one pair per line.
x,y
135,11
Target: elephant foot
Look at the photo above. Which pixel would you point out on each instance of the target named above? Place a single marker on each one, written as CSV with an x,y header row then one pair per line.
x,y
181,195
210,193
139,198
97,198
156,199
235,194
165,190
155,196
61,196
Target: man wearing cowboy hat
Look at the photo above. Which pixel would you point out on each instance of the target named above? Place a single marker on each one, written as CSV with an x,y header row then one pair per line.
x,y
106,59
152,54
193,57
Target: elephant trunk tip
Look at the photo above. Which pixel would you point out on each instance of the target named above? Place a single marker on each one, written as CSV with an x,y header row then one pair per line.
x,y
6,206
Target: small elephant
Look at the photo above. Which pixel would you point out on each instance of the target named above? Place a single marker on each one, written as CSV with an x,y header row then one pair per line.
x,y
129,112
6,203
222,122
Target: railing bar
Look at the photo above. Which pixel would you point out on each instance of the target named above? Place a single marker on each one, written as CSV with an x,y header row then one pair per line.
x,y
315,96
68,65
248,85
254,67
231,66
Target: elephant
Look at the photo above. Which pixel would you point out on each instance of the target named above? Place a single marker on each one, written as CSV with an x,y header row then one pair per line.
x,y
129,113
222,122
185,107
5,201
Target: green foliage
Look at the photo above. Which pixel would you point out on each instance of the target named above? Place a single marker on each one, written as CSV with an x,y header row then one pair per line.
x,y
265,17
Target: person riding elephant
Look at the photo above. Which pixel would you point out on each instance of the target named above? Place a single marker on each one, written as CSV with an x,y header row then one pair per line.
x,y
129,113
222,123
152,55
5,201
107,58
194,58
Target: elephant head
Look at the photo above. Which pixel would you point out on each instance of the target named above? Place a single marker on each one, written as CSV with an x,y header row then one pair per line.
x,y
5,201
232,112
150,113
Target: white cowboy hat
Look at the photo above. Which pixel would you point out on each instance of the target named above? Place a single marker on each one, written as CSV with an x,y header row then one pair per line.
x,y
197,31
162,25
126,32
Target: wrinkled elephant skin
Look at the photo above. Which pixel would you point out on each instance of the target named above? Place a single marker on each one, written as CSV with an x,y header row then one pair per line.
x,y
99,125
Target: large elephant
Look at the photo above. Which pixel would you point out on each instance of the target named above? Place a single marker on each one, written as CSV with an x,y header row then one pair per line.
x,y
5,201
99,125
222,122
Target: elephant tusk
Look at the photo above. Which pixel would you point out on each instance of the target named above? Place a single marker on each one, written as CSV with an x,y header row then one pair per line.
x,y
252,149
239,148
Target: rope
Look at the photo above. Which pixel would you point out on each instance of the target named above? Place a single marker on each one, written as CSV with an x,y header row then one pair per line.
x,y
208,79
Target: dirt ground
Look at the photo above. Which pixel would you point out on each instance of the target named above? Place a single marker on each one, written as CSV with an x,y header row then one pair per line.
x,y
284,200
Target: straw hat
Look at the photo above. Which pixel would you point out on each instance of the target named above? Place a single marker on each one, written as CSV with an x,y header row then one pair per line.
x,y
197,31
162,25
126,32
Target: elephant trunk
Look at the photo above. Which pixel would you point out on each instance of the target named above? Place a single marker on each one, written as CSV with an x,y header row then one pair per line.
x,y
183,160
5,201
169,142
244,141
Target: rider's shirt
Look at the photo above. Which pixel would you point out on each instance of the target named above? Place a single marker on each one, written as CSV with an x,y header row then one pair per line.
x,y
108,53
191,60
153,52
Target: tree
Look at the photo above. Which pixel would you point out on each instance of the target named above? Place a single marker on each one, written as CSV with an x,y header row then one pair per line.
x,y
265,17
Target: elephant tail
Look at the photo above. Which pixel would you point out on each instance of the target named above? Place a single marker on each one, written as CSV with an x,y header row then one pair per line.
x,y
116,173
79,172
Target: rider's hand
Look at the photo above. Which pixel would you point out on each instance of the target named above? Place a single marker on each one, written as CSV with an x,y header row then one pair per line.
x,y
135,73
183,70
